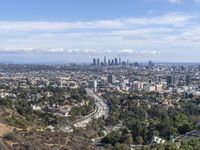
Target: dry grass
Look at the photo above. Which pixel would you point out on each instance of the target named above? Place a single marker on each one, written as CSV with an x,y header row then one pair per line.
x,y
4,129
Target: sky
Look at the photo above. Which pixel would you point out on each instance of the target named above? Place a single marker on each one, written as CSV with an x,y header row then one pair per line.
x,y
63,31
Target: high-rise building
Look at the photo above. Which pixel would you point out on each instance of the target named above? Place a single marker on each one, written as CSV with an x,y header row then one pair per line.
x,y
111,78
120,61
127,62
105,61
170,81
109,62
94,61
98,62
150,64
188,80
112,62
116,61
124,63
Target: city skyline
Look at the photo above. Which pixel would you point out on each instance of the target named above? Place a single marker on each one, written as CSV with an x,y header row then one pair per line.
x,y
73,31
109,61
100,74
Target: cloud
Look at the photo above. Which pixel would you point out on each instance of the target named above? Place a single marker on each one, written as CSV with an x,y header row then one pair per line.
x,y
170,1
128,52
175,1
122,52
56,50
140,37
16,50
172,19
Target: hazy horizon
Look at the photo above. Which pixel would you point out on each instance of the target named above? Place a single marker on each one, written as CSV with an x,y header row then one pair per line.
x,y
46,31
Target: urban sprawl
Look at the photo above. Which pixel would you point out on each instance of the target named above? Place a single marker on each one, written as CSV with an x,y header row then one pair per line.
x,y
110,103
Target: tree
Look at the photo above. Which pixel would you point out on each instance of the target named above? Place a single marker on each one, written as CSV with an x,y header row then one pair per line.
x,y
185,128
171,146
128,139
156,133
157,147
139,140
112,138
109,147
122,147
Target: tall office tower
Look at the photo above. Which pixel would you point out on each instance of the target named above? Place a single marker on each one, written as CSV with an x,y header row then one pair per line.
x,y
116,61
111,78
171,81
105,61
109,63
120,61
188,79
112,62
124,63
98,62
150,64
127,62
94,61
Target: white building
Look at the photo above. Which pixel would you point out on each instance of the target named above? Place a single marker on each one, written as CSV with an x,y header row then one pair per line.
x,y
157,140
159,87
138,86
149,88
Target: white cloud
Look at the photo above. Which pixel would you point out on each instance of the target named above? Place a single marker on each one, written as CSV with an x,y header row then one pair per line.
x,y
135,36
128,52
17,50
56,50
170,1
122,52
172,19
175,1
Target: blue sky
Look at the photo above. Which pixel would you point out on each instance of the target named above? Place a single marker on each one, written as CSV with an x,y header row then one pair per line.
x,y
53,31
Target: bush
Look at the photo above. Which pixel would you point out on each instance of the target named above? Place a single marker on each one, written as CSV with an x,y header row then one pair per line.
x,y
139,140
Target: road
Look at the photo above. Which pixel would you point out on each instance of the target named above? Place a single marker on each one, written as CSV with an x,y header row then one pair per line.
x,y
188,136
108,129
101,110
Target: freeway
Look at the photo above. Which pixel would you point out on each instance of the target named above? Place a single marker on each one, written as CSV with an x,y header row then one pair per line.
x,y
101,110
